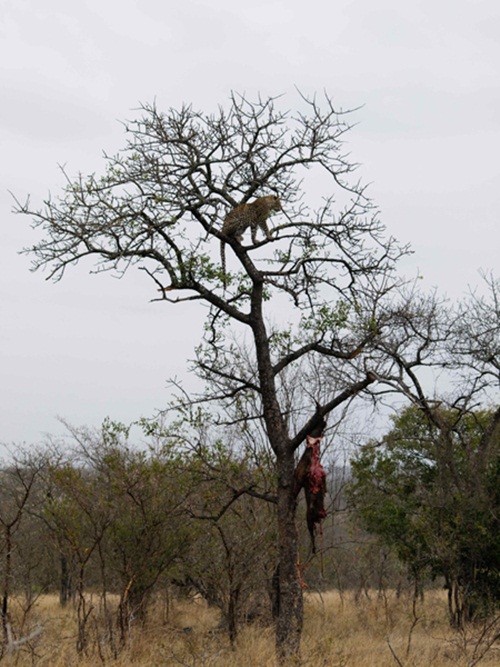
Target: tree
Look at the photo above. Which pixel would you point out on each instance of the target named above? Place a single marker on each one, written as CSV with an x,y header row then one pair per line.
x,y
118,513
230,562
149,530
327,268
439,514
79,517
18,482
431,488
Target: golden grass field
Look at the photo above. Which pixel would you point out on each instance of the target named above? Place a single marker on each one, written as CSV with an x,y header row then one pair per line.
x,y
338,632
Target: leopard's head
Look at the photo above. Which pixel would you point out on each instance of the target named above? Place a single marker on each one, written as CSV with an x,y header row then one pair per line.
x,y
275,203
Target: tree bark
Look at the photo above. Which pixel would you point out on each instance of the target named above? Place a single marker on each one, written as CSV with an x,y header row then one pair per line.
x,y
290,599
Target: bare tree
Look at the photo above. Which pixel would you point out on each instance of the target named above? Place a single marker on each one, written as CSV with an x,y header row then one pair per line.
x,y
324,270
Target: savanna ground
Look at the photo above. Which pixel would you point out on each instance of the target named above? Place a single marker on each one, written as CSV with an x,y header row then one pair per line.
x,y
374,631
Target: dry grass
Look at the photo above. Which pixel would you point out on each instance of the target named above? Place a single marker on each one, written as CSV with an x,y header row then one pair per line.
x,y
338,632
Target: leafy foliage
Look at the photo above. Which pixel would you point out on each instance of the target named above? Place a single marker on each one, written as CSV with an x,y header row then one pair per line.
x,y
433,495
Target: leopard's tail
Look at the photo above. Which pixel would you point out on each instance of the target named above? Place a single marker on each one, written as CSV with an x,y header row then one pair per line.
x,y
223,262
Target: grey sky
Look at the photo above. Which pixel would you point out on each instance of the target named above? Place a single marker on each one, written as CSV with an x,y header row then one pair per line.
x,y
428,139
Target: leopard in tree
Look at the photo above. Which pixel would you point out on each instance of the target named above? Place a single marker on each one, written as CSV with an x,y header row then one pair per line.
x,y
253,215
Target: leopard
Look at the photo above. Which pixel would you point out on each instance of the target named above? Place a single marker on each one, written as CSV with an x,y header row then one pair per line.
x,y
253,215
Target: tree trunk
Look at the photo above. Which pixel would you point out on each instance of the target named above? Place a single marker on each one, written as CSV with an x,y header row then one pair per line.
x,y
290,599
232,615
65,580
6,582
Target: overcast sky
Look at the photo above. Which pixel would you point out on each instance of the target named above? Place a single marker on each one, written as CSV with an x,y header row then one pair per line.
x,y
428,140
